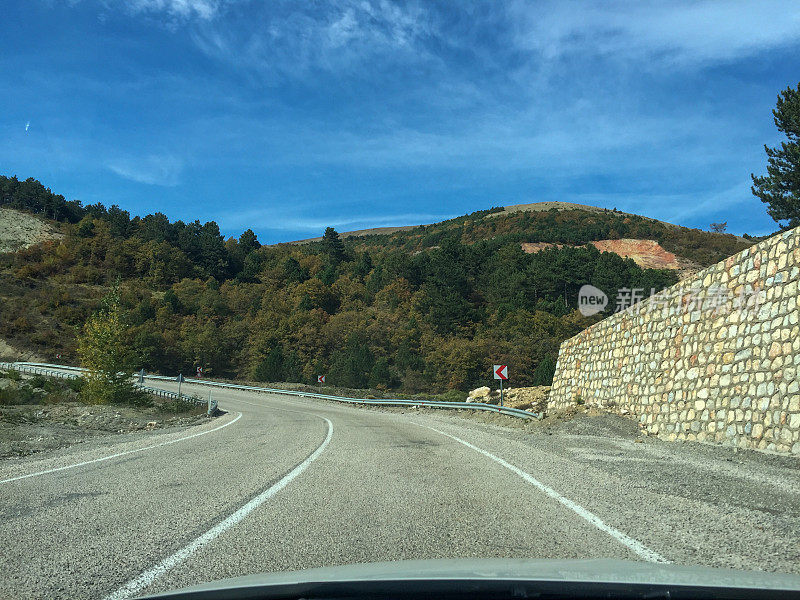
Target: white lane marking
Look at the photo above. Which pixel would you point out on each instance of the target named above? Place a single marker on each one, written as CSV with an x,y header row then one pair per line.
x,y
634,545
118,454
148,577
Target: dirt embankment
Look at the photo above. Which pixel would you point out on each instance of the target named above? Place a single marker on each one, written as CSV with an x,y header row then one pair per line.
x,y
31,428
39,414
11,354
648,254
20,230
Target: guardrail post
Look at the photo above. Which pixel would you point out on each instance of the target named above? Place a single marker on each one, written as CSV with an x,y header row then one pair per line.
x,y
212,405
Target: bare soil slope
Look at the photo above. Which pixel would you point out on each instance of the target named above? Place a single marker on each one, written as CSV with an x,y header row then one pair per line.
x,y
20,230
648,254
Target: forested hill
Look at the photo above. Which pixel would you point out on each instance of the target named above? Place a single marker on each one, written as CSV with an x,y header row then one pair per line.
x,y
426,309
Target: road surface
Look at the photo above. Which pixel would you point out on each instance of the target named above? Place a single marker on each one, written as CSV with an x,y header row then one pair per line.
x,y
284,483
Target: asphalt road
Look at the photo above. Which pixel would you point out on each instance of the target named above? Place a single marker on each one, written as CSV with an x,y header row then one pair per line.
x,y
283,483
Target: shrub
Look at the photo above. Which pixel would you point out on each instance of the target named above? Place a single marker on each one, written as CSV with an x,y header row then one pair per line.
x,y
11,374
18,395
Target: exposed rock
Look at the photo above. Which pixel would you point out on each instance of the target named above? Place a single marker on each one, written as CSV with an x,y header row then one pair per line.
x,y
478,394
20,230
648,254
534,398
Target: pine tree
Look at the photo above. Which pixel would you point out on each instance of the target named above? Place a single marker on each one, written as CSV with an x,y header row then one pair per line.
x,y
248,242
332,246
105,350
543,375
780,188
271,367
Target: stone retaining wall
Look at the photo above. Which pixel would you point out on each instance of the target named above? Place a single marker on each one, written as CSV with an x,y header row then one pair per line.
x,y
714,358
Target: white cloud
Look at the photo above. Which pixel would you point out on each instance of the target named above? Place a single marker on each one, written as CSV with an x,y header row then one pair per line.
x,y
330,36
152,169
277,219
667,32
203,9
713,203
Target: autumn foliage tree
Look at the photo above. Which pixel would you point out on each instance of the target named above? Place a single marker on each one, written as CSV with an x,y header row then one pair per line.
x,y
420,310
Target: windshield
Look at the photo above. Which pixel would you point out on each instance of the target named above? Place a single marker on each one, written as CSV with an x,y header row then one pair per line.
x,y
287,285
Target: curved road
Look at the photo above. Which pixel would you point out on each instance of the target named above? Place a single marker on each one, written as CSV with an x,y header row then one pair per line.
x,y
283,483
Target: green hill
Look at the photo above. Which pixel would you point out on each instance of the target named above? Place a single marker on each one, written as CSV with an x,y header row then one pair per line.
x,y
427,308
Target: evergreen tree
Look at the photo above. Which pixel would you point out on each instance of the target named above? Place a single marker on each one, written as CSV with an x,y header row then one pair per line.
x,y
543,375
104,348
248,242
332,246
352,365
780,188
292,271
271,367
380,376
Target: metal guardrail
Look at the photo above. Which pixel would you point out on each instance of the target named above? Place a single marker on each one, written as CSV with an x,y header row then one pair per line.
x,y
505,410
74,373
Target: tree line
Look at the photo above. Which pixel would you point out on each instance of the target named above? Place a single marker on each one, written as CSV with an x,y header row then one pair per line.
x,y
363,314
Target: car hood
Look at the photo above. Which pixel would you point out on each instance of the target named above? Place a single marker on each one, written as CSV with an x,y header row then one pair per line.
x,y
585,571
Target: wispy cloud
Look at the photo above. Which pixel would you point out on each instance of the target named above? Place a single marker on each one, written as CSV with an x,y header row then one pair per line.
x,y
713,203
297,38
660,107
182,9
152,169
679,208
678,32
277,219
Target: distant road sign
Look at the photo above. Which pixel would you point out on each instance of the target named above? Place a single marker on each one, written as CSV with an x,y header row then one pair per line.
x,y
180,378
199,371
501,372
320,378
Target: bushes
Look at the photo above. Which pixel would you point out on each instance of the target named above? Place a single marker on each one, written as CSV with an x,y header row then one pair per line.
x,y
21,394
37,389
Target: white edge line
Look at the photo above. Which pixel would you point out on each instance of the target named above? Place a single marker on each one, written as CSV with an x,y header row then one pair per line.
x,y
148,577
118,454
632,544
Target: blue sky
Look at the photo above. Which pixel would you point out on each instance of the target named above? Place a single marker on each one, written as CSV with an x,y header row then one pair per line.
x,y
287,117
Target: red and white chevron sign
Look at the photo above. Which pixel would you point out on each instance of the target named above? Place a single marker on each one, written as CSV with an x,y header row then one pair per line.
x,y
501,372
320,378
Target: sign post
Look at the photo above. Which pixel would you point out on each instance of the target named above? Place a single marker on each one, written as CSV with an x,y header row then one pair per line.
x,y
180,380
501,373
141,376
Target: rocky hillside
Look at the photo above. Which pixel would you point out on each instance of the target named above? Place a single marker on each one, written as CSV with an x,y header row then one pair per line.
x,y
648,254
19,230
